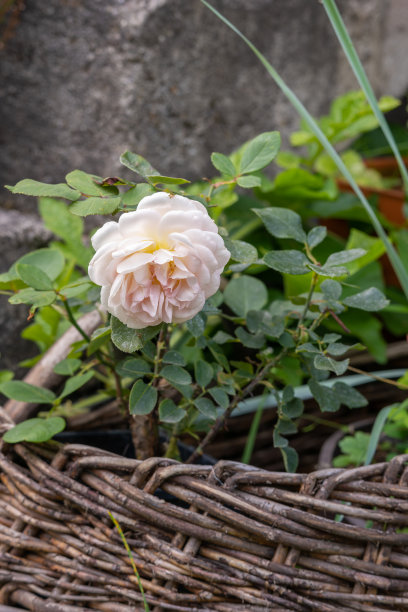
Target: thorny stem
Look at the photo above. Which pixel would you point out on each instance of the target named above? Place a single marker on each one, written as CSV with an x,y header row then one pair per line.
x,y
220,421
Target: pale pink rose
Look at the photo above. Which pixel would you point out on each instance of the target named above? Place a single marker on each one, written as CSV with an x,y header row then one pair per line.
x,y
158,263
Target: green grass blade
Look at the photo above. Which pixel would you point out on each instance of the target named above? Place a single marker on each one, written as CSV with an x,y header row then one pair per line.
x,y
253,431
355,63
379,423
399,268
132,561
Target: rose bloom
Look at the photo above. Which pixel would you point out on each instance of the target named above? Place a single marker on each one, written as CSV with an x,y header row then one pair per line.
x,y
158,263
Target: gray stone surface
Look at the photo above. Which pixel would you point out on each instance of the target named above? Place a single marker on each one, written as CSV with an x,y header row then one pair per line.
x,y
19,233
83,81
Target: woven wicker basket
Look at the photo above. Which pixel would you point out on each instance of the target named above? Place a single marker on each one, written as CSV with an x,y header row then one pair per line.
x,y
227,537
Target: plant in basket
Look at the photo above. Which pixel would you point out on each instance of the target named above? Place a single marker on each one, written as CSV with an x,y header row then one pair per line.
x,y
188,300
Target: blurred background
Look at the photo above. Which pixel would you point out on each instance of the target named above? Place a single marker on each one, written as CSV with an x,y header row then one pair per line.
x,y
82,81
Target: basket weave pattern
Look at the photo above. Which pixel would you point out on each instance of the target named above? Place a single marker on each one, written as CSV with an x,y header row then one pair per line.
x,y
227,537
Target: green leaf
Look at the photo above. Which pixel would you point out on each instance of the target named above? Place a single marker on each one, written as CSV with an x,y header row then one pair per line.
x,y
95,206
35,188
33,297
349,396
326,398
35,430
331,271
245,293
221,338
6,375
34,277
331,289
220,397
59,220
133,196
290,459
287,261
75,382
142,399
24,392
293,408
67,367
370,300
263,321
138,164
316,236
203,373
157,179
259,152
373,246
342,257
206,407
50,261
322,362
174,358
130,340
169,412
223,164
89,184
282,223
133,367
176,375
99,337
241,251
196,325
253,341
248,182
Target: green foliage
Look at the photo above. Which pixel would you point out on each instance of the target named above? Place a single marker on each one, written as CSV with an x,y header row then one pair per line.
x,y
286,284
35,430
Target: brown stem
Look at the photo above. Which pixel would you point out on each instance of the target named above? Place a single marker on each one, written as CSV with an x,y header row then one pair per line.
x,y
219,423
144,428
380,378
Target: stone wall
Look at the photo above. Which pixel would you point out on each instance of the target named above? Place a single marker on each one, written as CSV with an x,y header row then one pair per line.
x,y
84,80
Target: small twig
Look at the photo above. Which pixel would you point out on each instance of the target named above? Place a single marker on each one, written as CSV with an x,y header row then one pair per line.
x,y
219,423
380,378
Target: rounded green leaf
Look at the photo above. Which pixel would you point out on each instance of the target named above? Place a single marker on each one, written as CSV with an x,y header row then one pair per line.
x,y
282,223
287,262
370,300
176,375
203,373
35,430
223,164
206,407
133,367
34,277
35,188
24,392
245,293
259,152
169,412
248,182
50,261
174,358
67,367
95,206
243,252
142,398
75,383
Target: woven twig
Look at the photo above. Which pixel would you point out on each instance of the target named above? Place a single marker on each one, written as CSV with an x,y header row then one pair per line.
x,y
223,538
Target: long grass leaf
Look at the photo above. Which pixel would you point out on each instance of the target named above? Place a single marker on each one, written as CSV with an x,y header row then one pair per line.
x,y
379,423
357,67
399,268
